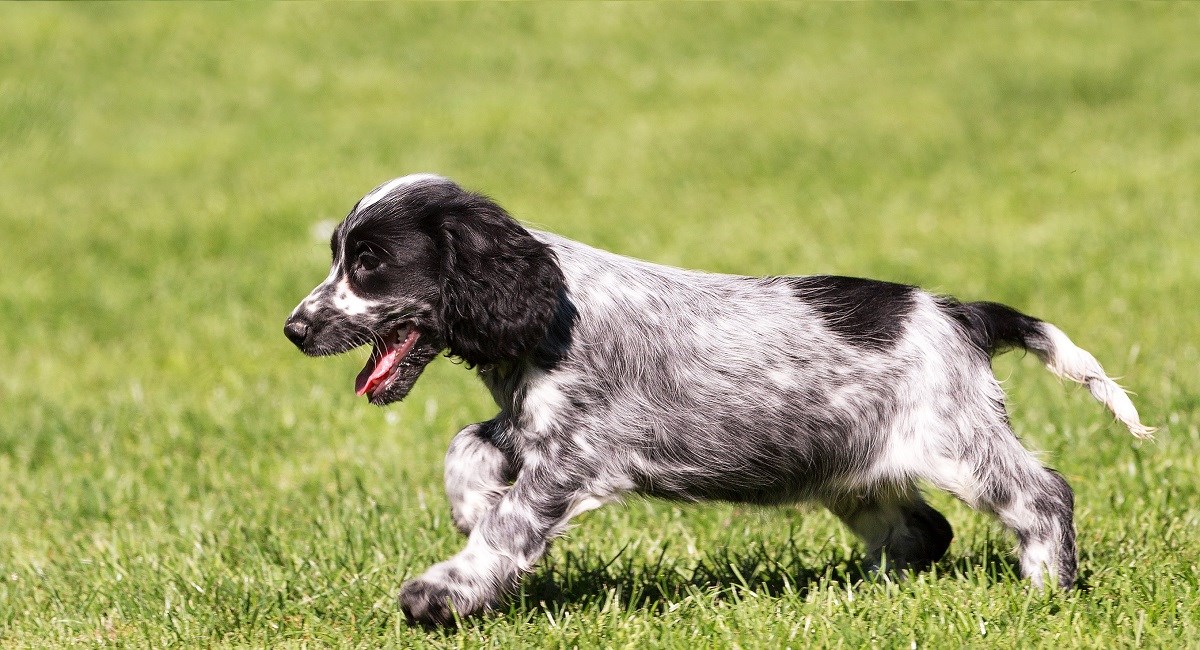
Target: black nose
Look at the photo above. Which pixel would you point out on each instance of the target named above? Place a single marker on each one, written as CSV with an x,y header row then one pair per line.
x,y
296,330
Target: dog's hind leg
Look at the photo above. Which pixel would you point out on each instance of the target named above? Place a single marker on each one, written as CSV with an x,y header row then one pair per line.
x,y
478,473
901,531
997,475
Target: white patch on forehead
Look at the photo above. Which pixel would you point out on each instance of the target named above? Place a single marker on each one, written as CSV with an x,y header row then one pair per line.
x,y
378,193
348,302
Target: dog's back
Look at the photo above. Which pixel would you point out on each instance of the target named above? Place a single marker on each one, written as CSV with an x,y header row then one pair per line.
x,y
700,385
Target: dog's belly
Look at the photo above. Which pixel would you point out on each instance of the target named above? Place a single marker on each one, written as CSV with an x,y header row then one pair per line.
x,y
687,484
766,458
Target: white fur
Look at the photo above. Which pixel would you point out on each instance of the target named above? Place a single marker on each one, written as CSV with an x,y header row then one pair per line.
x,y
544,401
348,302
1069,361
387,188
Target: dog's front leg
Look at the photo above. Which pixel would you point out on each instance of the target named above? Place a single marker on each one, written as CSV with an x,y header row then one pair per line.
x,y
478,473
505,544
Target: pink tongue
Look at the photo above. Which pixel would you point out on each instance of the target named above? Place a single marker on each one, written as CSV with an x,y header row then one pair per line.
x,y
373,373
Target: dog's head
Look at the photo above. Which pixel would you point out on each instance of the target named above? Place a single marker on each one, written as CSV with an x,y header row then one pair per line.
x,y
421,265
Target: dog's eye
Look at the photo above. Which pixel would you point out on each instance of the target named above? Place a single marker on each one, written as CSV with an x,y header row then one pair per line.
x,y
368,261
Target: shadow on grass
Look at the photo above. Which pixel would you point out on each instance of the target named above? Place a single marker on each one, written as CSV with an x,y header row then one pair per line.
x,y
635,584
580,581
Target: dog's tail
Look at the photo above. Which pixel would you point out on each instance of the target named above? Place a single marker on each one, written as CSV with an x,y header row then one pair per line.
x,y
994,328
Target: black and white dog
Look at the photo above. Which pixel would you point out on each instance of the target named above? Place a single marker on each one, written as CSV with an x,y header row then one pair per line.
x,y
614,375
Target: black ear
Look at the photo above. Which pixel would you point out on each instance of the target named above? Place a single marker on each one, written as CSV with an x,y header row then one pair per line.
x,y
500,286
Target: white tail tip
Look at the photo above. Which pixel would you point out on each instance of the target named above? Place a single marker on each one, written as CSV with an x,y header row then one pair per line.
x,y
1069,361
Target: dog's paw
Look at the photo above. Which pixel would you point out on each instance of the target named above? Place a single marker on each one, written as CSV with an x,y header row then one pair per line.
x,y
428,603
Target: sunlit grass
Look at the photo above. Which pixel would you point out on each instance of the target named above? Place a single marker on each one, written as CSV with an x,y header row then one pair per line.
x,y
172,472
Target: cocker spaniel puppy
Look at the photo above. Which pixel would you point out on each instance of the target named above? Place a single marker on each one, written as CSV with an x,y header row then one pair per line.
x,y
614,375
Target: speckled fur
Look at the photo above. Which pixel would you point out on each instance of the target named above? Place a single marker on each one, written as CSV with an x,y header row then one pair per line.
x,y
680,384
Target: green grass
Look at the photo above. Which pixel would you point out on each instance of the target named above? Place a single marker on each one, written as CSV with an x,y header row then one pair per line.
x,y
173,472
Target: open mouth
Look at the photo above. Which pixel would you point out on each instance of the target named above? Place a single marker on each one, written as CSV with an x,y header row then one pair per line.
x,y
384,364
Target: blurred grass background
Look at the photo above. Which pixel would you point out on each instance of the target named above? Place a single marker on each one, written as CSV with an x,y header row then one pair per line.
x,y
173,472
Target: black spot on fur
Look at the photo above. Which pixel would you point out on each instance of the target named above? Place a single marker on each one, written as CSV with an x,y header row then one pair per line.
x,y
555,346
867,313
993,327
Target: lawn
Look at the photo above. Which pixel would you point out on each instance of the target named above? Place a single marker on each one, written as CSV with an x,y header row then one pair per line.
x,y
173,472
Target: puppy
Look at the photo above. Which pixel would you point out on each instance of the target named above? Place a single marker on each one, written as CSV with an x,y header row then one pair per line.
x,y
614,375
